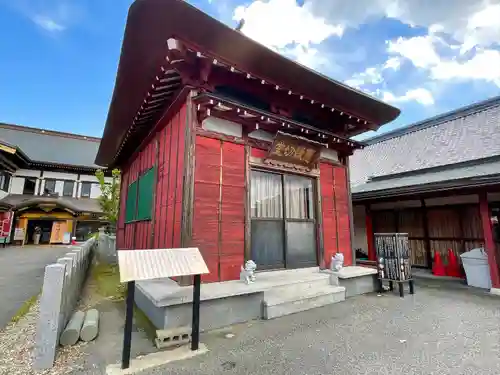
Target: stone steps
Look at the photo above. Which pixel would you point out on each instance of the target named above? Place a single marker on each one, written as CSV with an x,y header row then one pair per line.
x,y
297,298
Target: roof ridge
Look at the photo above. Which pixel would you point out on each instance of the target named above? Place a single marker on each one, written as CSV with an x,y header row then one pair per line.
x,y
49,132
435,120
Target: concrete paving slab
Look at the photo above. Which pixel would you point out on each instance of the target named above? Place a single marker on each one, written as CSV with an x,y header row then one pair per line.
x,y
153,360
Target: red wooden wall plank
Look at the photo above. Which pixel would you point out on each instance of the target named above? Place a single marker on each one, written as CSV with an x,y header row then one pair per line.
x,y
172,181
232,230
258,153
168,193
177,201
221,242
335,207
166,179
206,203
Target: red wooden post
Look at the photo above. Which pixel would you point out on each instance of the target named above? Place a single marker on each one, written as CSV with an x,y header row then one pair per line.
x,y
489,244
369,234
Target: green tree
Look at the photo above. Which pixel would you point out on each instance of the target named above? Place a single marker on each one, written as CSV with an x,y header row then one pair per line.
x,y
110,195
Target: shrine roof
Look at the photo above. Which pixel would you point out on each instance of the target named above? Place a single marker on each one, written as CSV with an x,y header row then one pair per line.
x,y
151,23
458,148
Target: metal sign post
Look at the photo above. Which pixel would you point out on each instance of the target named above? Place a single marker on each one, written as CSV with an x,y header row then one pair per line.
x,y
127,331
195,325
154,264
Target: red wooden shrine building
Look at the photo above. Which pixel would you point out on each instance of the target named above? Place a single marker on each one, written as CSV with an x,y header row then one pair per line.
x,y
228,146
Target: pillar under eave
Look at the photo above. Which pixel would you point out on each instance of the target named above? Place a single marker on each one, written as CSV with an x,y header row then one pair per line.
x,y
369,234
489,244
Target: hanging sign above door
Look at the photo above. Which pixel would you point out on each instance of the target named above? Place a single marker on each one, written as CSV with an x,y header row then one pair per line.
x,y
290,150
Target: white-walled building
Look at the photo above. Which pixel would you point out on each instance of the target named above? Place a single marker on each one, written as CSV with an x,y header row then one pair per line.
x,y
47,179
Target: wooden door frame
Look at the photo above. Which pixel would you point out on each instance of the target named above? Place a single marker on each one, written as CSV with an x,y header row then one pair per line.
x,y
316,212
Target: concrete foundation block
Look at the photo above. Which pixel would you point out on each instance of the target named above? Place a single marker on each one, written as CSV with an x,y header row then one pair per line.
x,y
90,327
216,313
71,333
166,338
278,305
356,280
359,285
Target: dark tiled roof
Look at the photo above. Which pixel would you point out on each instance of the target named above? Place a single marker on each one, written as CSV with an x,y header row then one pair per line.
x,y
464,135
52,147
74,204
453,175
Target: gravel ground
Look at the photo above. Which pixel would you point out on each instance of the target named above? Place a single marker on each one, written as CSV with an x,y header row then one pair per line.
x,y
434,332
16,345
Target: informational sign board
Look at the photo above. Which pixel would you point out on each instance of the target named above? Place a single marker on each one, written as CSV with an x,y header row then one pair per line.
x,y
290,149
155,264
159,263
67,238
19,234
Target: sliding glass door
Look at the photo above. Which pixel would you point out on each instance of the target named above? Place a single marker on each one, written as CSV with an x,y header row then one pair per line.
x,y
283,225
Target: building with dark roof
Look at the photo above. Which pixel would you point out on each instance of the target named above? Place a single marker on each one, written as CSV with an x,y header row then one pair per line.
x,y
438,180
226,146
47,181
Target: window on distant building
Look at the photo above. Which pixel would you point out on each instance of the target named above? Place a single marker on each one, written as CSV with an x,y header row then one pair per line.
x,y
50,186
68,188
4,181
86,187
29,186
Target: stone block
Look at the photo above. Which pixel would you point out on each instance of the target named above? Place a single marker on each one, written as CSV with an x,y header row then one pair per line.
x,y
106,249
166,338
277,304
90,327
217,313
71,333
51,317
359,285
66,307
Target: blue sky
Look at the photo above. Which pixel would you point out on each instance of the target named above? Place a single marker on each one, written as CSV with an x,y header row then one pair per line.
x,y
59,57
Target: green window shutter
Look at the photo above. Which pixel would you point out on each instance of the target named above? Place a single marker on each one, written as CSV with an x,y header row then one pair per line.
x,y
131,202
146,186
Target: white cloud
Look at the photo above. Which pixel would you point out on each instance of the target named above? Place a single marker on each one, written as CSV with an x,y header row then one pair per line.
x,y
393,63
461,42
371,76
485,65
419,50
468,21
483,28
48,24
451,64
287,28
281,23
54,16
420,95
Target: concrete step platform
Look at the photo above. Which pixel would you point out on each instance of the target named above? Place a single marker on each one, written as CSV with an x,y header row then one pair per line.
x,y
169,305
299,298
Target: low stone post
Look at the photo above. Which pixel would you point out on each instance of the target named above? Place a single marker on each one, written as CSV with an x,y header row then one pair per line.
x,y
51,317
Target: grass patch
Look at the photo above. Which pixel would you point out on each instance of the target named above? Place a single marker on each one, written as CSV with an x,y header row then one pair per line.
x,y
107,281
143,322
24,309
